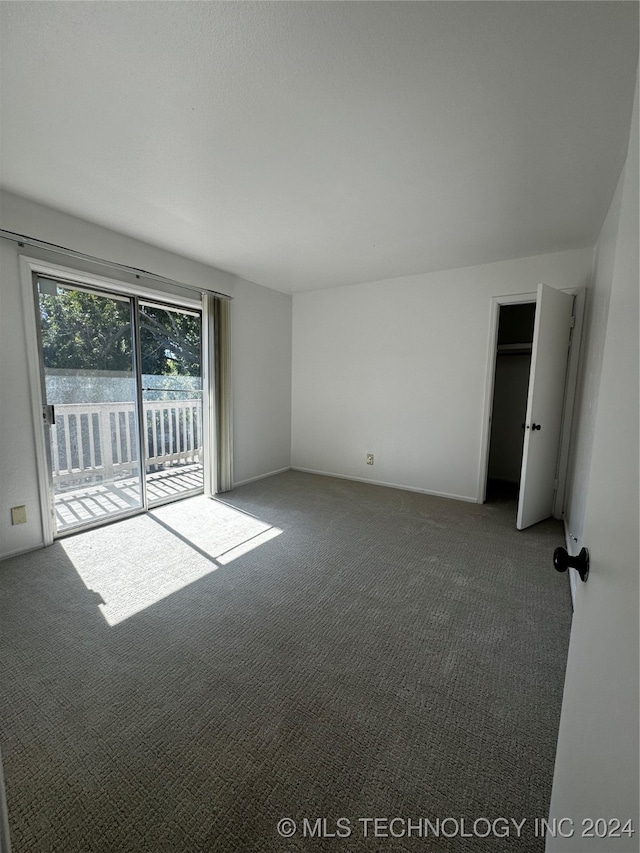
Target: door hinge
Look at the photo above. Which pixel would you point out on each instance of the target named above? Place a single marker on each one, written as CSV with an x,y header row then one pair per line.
x,y
556,483
573,321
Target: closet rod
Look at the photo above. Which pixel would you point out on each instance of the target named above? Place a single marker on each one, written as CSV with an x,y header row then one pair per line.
x,y
514,349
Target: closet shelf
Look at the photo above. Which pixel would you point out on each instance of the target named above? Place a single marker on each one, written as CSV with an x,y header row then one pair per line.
x,y
514,349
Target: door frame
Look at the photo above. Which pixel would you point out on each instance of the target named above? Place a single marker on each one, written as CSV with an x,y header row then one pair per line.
x,y
569,397
30,267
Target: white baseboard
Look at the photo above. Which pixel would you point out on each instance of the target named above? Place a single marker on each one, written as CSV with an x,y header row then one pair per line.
x,y
19,551
5,842
387,485
261,476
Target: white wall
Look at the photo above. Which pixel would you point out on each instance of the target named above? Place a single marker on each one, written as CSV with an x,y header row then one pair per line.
x,y
18,474
594,331
261,366
52,226
398,369
596,773
261,341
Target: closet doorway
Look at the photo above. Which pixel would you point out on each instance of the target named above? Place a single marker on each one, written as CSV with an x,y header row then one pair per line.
x,y
530,392
511,385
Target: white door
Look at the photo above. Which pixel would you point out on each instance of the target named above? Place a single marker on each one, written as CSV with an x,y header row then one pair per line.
x,y
596,772
543,421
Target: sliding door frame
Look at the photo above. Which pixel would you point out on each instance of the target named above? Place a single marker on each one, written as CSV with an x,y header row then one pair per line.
x,y
30,269
206,461
208,398
142,421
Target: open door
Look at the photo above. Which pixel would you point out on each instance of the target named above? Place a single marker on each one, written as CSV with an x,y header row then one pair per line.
x,y
543,422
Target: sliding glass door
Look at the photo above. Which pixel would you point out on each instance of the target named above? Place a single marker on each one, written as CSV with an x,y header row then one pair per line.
x,y
121,383
171,360
90,393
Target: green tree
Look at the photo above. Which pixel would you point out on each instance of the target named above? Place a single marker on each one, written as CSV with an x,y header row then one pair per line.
x,y
169,341
84,331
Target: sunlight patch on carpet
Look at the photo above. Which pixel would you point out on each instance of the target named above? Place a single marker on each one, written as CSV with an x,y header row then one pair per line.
x,y
133,564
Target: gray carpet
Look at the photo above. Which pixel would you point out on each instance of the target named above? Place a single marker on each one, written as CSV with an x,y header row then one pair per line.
x,y
310,647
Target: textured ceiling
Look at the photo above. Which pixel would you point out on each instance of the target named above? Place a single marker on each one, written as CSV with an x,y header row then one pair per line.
x,y
304,145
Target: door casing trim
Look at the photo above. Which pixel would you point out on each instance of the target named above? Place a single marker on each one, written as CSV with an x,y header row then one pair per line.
x,y
29,267
492,345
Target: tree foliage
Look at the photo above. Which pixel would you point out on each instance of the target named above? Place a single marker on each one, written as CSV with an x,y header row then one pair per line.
x,y
170,342
84,331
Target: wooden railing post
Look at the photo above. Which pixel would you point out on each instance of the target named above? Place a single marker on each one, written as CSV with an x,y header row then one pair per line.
x,y
106,451
176,437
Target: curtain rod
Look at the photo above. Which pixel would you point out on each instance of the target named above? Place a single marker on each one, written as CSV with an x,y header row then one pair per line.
x,y
25,240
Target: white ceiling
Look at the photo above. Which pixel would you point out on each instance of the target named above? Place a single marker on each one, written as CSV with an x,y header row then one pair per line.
x,y
305,145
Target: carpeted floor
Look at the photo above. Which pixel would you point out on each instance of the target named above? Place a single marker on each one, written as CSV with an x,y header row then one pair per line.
x,y
307,648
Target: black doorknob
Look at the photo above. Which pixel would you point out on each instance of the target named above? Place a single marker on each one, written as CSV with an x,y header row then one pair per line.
x,y
562,560
536,426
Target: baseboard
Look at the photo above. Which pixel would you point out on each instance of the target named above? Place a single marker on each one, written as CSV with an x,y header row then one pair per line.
x,y
387,485
5,842
261,476
19,551
570,542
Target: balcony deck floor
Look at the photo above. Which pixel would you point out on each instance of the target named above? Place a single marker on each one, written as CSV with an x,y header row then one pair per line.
x,y
102,501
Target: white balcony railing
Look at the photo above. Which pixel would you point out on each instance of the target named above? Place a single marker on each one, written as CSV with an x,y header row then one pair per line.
x,y
98,442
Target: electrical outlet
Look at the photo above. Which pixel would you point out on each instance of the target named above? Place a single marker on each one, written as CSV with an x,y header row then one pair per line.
x,y
18,515
369,458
